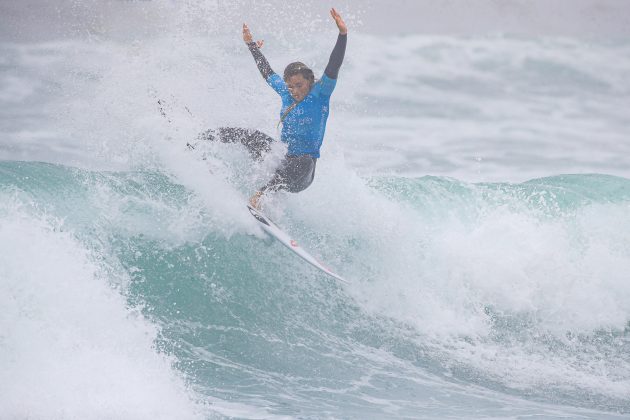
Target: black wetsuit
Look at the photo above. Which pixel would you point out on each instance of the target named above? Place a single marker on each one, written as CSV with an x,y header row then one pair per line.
x,y
256,142
297,170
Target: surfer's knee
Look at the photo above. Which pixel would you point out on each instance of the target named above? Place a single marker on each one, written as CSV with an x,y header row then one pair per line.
x,y
295,174
257,143
303,174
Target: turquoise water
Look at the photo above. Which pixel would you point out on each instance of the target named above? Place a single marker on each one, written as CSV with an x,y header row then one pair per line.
x,y
520,309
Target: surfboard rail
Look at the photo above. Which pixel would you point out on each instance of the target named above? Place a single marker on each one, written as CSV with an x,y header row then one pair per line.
x,y
274,231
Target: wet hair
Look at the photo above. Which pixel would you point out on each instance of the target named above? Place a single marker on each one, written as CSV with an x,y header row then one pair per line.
x,y
299,68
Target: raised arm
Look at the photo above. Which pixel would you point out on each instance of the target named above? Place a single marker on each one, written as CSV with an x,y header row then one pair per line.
x,y
254,48
336,57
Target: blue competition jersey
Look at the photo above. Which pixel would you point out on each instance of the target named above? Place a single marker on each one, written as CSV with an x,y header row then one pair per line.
x,y
303,128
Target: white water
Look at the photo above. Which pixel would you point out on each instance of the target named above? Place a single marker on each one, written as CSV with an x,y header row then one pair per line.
x,y
71,348
497,108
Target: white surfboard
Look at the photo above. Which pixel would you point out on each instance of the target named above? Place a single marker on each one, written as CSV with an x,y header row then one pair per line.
x,y
273,230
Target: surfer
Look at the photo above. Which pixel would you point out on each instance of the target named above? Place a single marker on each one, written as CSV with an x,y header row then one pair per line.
x,y
305,107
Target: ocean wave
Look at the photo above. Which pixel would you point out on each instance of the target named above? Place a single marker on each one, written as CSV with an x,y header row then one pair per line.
x,y
517,290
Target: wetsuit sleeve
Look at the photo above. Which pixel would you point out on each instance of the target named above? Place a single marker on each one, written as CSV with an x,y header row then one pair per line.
x,y
336,57
326,85
261,61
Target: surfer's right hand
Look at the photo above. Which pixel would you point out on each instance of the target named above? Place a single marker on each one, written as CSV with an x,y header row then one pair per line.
x,y
247,37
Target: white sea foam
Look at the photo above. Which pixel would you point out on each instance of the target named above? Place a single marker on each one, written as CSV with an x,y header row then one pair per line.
x,y
70,347
486,108
556,283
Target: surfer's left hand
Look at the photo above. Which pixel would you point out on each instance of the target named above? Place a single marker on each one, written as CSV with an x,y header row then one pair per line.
x,y
343,29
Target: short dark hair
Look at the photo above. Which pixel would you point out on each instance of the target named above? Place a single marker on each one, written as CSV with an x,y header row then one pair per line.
x,y
299,68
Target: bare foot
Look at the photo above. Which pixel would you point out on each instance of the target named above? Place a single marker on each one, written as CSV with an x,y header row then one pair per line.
x,y
254,201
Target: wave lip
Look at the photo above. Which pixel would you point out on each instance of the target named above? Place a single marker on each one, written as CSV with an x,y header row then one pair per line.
x,y
70,347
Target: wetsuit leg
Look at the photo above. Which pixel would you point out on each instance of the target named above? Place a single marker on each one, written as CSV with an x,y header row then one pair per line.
x,y
295,174
256,142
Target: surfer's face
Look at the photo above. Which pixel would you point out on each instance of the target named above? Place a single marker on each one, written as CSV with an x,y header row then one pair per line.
x,y
298,86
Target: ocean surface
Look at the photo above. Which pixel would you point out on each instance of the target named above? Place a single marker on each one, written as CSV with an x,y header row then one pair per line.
x,y
474,190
